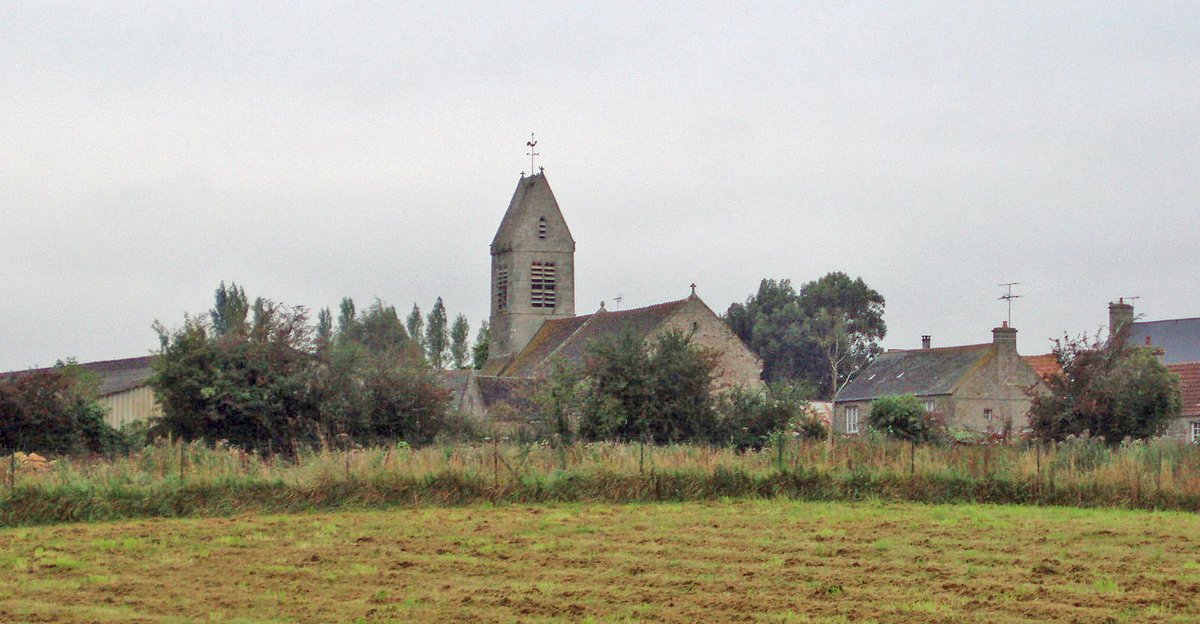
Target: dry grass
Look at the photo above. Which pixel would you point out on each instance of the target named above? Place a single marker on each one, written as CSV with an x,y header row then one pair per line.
x,y
181,480
773,561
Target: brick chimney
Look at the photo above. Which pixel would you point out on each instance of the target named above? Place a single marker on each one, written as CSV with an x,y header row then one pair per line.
x,y
1005,339
1119,315
925,341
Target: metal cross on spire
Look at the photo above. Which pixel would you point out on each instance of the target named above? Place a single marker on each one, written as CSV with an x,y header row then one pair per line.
x,y
532,143
1008,297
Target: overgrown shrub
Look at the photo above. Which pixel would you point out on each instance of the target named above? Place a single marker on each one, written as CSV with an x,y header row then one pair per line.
x,y
52,411
904,418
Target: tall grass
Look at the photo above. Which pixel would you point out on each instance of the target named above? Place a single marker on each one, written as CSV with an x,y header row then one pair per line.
x,y
177,479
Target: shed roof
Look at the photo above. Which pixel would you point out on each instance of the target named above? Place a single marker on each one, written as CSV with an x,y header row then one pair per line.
x,y
113,376
923,372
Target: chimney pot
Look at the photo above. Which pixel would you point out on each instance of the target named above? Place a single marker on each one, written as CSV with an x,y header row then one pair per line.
x,y
925,341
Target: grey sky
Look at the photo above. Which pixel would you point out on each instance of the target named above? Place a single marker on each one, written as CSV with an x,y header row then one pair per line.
x,y
312,152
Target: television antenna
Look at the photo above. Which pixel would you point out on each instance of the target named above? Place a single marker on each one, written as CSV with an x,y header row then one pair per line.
x,y
618,300
1007,297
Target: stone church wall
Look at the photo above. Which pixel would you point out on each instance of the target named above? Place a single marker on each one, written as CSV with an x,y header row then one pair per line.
x,y
736,364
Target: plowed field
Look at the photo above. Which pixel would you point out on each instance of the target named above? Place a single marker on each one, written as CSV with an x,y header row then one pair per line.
x,y
697,562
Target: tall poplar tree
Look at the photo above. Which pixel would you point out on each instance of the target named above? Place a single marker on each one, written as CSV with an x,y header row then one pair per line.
x,y
459,334
437,336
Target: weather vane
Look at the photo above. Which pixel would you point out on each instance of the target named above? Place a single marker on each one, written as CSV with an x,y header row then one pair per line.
x,y
532,143
1008,297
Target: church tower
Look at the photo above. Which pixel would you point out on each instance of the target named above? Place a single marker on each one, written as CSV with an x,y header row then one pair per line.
x,y
533,268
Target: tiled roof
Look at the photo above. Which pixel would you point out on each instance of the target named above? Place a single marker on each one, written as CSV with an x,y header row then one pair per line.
x,y
569,338
1178,338
923,372
1044,365
1189,378
114,375
549,337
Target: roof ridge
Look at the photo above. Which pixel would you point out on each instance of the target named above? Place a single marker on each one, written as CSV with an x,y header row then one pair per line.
x,y
950,348
1189,318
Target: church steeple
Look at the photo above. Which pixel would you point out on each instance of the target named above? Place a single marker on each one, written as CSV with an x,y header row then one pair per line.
x,y
533,267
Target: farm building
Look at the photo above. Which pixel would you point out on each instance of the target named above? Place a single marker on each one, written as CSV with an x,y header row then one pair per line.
x,y
123,389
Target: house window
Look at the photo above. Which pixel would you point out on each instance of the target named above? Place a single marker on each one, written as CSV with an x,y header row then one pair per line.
x,y
1196,432
987,414
541,227
851,419
542,281
502,288
929,407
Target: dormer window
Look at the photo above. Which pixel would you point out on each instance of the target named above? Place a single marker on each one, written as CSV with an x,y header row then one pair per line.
x,y
542,285
541,227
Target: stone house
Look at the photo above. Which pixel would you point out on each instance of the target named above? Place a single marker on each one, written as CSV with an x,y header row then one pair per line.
x,y
980,387
1177,343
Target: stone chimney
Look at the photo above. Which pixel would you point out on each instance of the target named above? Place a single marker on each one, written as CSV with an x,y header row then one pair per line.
x,y
1119,315
1005,339
925,341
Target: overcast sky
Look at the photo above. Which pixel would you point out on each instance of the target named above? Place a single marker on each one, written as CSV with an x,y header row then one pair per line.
x,y
150,151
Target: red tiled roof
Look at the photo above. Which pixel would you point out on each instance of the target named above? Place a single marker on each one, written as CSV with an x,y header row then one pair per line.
x,y
1044,365
1189,385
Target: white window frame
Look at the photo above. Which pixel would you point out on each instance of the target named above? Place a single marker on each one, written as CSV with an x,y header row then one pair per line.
x,y
1195,432
930,405
988,414
851,415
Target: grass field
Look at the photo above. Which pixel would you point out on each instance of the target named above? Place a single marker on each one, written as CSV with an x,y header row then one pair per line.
x,y
782,561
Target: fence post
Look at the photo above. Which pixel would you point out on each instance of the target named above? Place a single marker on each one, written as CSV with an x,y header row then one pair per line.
x,y
912,457
182,446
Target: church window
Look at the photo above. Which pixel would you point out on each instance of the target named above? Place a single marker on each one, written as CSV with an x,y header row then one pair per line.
x,y
542,283
541,227
502,288
987,414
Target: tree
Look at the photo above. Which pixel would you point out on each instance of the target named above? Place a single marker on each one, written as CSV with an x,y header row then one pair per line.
x,y
324,330
52,411
460,332
270,387
844,318
380,329
821,335
255,390
416,325
436,335
657,393
230,308
479,352
772,325
748,418
904,418
1107,389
